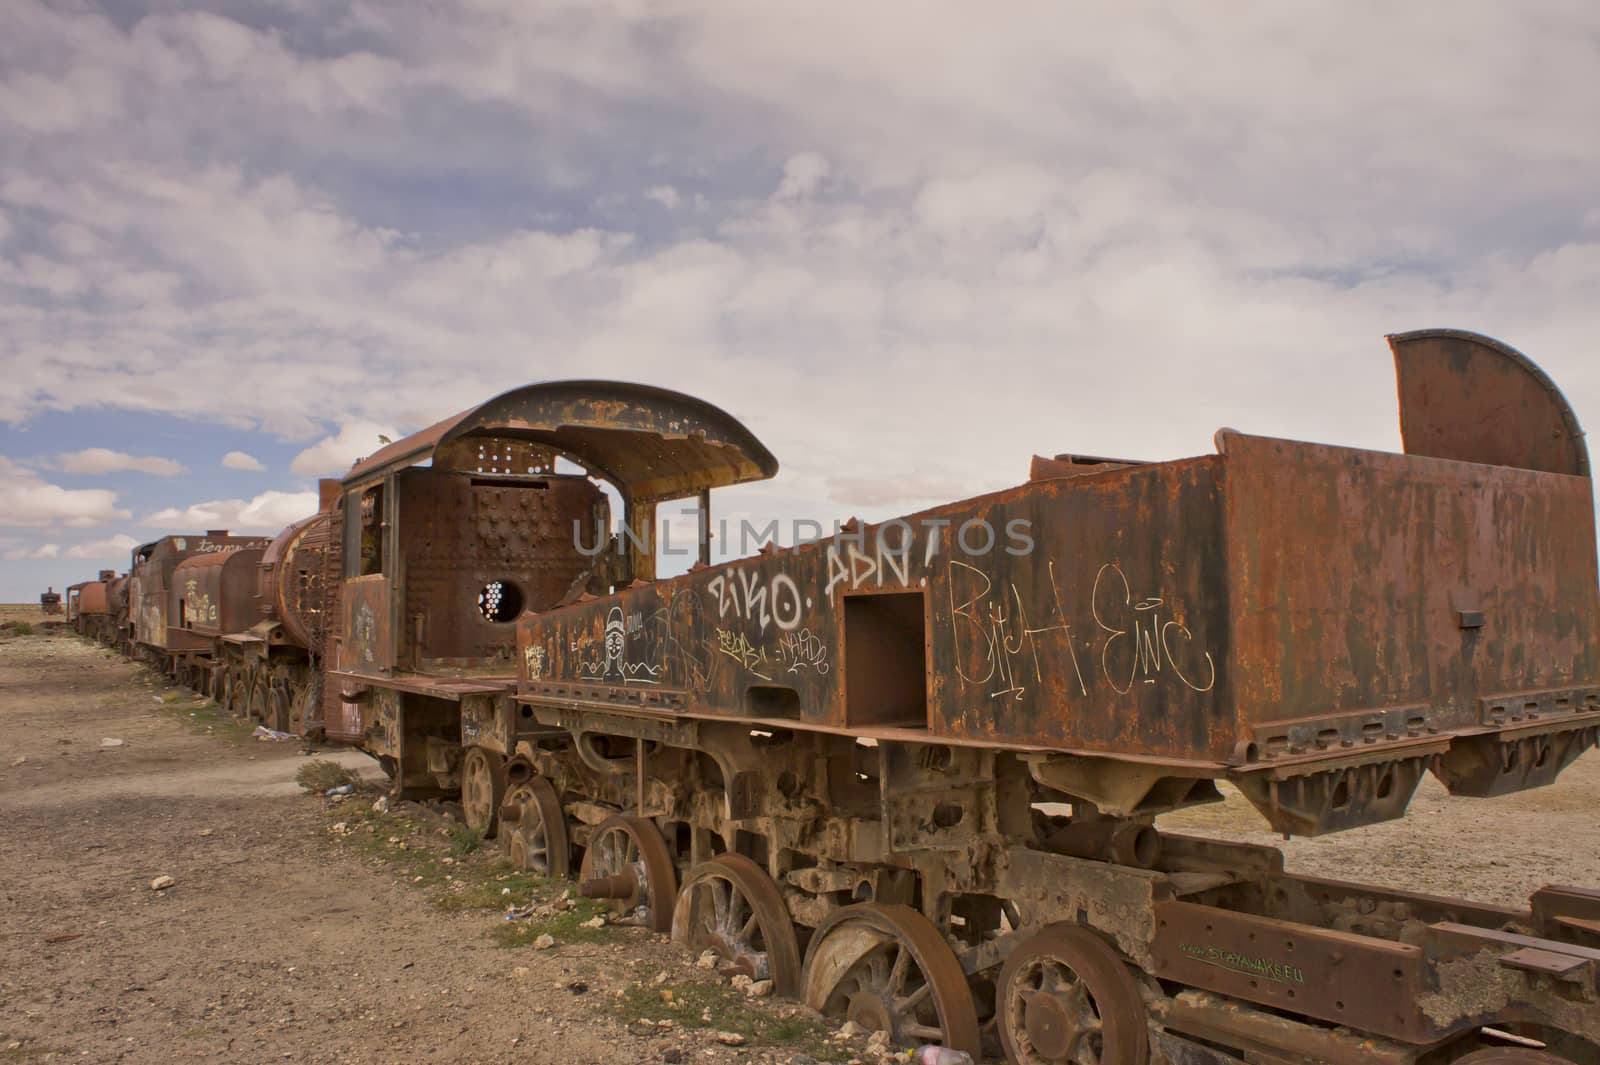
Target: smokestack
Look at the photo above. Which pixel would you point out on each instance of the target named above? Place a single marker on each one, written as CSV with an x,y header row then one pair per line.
x,y
214,533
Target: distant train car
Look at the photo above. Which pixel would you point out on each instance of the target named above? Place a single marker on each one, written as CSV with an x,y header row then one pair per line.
x,y
151,586
211,594
93,614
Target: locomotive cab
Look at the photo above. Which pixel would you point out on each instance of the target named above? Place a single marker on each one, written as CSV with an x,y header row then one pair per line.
x,y
450,535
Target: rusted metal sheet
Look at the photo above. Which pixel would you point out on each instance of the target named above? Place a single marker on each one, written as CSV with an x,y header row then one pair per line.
x,y
652,442
92,598
215,593
368,637
1365,583
475,553
1470,398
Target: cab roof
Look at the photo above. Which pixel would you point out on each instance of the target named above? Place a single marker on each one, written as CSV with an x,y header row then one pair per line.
x,y
652,443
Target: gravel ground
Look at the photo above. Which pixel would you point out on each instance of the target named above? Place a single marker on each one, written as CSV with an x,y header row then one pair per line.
x,y
278,941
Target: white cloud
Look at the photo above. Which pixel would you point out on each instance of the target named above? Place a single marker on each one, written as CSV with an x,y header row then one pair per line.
x,y
28,500
93,460
665,195
267,512
239,460
43,552
802,174
337,453
115,547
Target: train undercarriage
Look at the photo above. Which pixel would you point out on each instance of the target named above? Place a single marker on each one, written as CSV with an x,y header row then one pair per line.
x,y
971,896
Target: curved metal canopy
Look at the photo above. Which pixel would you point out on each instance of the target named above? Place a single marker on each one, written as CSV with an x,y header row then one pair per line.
x,y
652,443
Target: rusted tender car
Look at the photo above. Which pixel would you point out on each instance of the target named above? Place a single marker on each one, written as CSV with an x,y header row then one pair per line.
x,y
212,594
912,773
158,632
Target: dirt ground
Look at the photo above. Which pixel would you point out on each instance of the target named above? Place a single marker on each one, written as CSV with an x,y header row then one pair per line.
x,y
296,932
276,943
1490,850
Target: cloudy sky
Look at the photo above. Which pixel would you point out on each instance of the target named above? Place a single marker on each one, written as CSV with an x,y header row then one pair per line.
x,y
909,244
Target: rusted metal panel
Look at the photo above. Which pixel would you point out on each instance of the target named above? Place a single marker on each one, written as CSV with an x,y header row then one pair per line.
x,y
215,593
1268,1038
1335,976
92,598
368,641
1474,399
1363,582
475,552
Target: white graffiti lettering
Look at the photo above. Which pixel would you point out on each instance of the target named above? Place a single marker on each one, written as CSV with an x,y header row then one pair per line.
x,y
1138,643
998,636
745,594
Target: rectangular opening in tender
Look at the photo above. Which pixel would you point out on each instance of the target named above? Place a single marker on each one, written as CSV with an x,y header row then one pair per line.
x,y
885,660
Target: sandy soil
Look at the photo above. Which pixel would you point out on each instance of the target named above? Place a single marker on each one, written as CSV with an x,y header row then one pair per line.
x,y
281,941
1488,850
276,944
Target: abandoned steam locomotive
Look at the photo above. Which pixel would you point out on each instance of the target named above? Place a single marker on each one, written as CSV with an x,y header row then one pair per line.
x,y
911,773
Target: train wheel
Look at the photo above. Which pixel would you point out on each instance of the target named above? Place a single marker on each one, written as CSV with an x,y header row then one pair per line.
x,y
532,823
628,863
730,905
278,708
1065,997
257,706
887,968
238,691
298,704
483,785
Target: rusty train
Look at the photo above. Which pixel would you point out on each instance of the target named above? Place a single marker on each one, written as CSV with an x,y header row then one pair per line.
x,y
911,773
